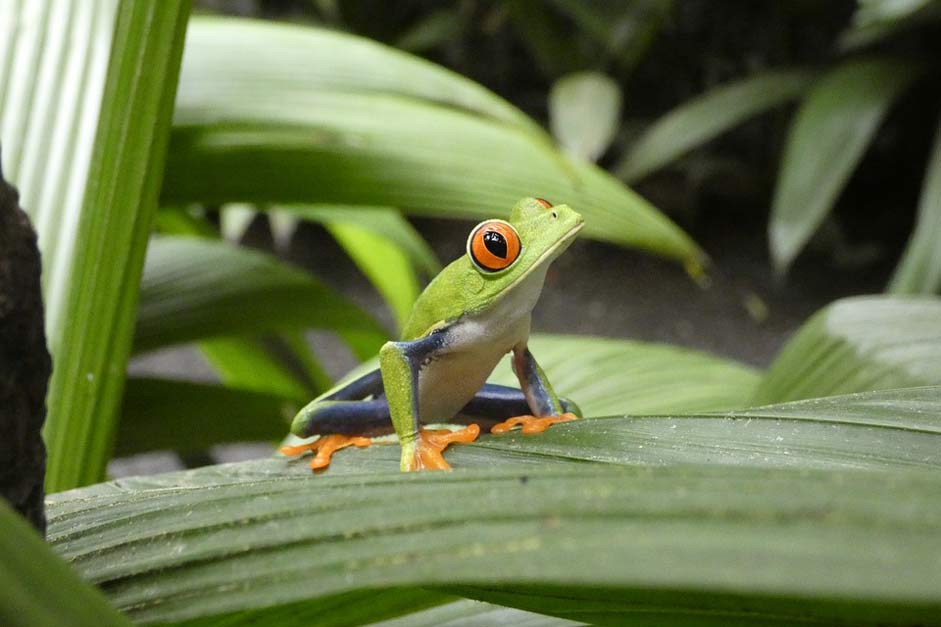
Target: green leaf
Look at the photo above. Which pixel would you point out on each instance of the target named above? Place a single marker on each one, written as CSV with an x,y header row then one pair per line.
x,y
835,123
919,271
607,376
252,127
434,29
185,416
194,289
382,244
291,60
383,221
248,364
859,344
705,117
584,113
875,20
84,118
37,588
776,541
384,264
467,613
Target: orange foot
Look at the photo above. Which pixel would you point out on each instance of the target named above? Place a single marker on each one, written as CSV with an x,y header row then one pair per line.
x,y
430,444
325,446
531,424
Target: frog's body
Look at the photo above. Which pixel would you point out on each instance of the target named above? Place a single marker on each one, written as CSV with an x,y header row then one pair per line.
x,y
473,313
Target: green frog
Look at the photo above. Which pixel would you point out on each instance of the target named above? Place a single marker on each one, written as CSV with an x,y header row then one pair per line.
x,y
473,313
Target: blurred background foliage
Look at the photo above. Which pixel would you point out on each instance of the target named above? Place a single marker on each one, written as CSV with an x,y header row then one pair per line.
x,y
275,188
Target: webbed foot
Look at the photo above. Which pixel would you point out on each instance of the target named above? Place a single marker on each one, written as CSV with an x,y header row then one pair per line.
x,y
532,424
324,447
424,453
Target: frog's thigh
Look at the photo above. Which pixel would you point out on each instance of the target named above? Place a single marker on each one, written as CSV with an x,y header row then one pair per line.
x,y
343,417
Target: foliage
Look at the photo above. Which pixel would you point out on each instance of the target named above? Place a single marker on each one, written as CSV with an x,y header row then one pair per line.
x,y
85,144
678,499
591,521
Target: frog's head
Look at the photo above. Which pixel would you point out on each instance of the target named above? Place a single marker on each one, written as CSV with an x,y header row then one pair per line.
x,y
504,252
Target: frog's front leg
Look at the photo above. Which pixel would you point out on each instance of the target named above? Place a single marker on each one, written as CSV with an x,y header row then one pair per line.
x,y
401,364
543,402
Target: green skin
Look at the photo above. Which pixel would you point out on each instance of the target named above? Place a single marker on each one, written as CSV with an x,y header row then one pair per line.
x,y
464,322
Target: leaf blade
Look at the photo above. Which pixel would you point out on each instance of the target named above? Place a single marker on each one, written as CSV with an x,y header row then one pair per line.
x,y
858,344
307,145
196,288
37,588
94,132
919,271
707,116
833,127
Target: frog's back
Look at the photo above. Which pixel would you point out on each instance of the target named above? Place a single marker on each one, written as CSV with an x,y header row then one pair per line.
x,y
442,301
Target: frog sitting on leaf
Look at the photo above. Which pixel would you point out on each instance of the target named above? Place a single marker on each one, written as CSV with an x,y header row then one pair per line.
x,y
473,313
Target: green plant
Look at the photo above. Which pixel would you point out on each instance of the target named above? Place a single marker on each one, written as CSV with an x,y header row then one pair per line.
x,y
842,107
677,500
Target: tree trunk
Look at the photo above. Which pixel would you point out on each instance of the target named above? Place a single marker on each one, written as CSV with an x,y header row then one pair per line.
x,y
25,365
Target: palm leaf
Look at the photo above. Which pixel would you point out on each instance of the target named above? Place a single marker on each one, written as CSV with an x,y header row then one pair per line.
x,y
859,344
607,376
37,588
250,128
193,289
766,530
85,115
705,117
835,124
919,271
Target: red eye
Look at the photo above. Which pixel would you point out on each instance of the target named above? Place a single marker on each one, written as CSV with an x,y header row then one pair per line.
x,y
493,245
545,203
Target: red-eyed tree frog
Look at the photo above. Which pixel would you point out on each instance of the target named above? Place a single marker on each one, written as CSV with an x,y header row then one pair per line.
x,y
473,313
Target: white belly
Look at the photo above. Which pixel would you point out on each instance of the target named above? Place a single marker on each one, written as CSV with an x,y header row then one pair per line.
x,y
475,346
453,378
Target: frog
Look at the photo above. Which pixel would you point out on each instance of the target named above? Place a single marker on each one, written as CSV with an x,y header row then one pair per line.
x,y
471,315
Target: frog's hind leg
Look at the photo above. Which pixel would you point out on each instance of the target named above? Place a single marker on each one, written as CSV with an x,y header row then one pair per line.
x,y
339,421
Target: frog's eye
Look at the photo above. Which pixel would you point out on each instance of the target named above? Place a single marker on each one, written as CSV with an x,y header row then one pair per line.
x,y
493,245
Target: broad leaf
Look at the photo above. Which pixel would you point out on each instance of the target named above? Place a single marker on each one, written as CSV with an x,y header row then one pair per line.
x,y
86,93
606,376
383,221
467,613
248,364
249,126
875,20
835,124
774,542
185,416
584,113
859,344
919,271
195,289
37,588
384,264
700,119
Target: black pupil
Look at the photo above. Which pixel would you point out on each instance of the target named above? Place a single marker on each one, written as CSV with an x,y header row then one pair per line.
x,y
495,243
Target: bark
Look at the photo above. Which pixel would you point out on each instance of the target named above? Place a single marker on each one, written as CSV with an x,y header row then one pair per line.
x,y
25,364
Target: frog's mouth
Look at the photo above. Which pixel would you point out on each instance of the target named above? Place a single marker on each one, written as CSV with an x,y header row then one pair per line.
x,y
552,253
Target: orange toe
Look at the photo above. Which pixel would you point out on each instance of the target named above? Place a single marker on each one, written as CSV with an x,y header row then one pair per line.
x,y
432,442
325,446
531,424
